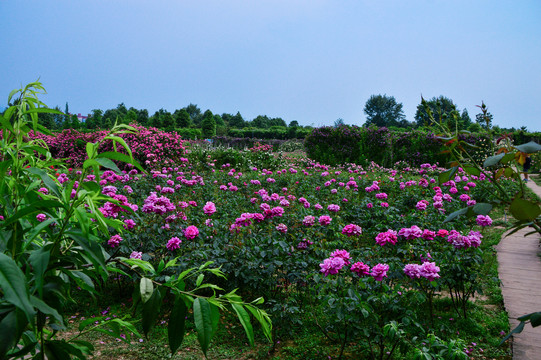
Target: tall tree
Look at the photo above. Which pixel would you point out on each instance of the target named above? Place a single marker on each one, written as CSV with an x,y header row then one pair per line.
x,y
168,121
182,118
195,113
237,121
383,110
66,121
219,121
294,123
131,116
208,125
442,109
261,121
142,117
277,122
97,119
47,120
466,120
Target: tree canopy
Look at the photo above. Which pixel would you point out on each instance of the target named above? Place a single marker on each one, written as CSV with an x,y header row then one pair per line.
x,y
383,110
441,108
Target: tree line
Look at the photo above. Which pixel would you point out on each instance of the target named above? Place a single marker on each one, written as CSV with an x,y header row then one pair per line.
x,y
385,111
190,116
380,111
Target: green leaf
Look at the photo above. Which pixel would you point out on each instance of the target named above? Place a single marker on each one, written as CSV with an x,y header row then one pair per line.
x,y
120,157
203,323
13,285
447,175
529,148
83,324
455,214
83,280
507,157
144,265
6,124
493,160
523,209
39,259
263,319
92,249
42,205
106,163
472,170
90,147
176,327
482,208
161,265
150,311
47,180
516,330
90,162
147,288
12,325
122,142
535,319
61,350
46,309
199,280
245,321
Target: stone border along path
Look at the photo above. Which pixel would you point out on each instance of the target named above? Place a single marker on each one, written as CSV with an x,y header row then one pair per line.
x,y
520,274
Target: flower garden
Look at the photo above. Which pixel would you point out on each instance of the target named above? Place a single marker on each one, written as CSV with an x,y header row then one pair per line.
x,y
296,258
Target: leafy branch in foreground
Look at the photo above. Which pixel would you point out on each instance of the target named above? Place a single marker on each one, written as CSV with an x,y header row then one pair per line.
x,y
503,163
51,236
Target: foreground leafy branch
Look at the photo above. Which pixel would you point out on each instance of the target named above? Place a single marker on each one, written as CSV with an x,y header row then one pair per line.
x,y
51,236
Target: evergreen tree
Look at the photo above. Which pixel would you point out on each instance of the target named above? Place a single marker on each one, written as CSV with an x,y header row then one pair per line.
x,y
182,118
466,120
208,125
237,121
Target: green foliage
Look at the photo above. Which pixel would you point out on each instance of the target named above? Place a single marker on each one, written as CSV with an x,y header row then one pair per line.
x,y
182,118
189,133
351,144
208,126
51,235
440,109
383,110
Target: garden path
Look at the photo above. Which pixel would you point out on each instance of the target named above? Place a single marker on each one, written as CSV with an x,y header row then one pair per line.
x,y
520,274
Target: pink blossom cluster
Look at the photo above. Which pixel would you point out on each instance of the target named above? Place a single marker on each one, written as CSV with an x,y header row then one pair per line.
x,y
387,237
352,230
191,232
427,270
209,208
459,241
149,146
158,205
340,258
411,233
173,243
483,220
114,241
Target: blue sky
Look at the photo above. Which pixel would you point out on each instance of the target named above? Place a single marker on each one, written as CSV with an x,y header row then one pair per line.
x,y
313,61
